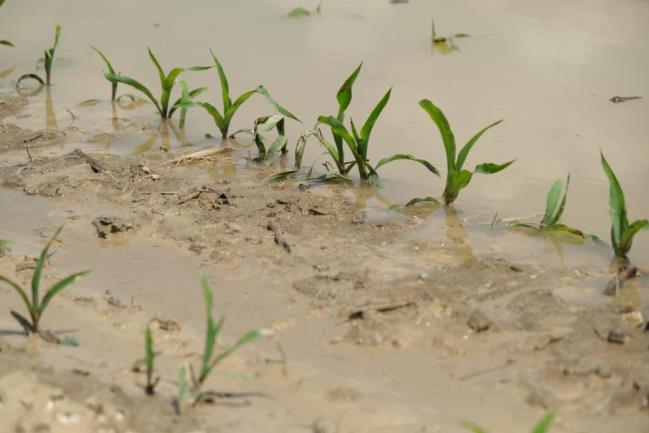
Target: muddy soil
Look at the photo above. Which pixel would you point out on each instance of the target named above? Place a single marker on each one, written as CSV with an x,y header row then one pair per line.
x,y
375,328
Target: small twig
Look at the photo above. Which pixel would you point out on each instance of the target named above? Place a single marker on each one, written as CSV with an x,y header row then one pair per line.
x,y
488,370
279,236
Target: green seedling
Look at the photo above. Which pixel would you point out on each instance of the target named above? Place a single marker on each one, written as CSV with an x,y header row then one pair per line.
x,y
622,233
301,12
4,41
555,204
209,359
167,83
48,62
269,153
111,70
543,426
357,142
37,306
149,357
445,44
457,178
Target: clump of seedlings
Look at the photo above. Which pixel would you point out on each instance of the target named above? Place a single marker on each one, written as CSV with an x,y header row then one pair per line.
x,y
457,177
302,12
543,426
48,59
269,153
36,306
357,141
209,360
622,232
167,84
555,204
445,44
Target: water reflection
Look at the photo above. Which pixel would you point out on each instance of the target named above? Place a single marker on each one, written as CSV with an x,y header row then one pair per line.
x,y
4,73
162,133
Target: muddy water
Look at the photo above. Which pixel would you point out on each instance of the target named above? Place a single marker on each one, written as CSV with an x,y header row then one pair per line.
x,y
547,68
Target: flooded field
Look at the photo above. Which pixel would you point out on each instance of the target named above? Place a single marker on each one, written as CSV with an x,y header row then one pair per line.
x,y
376,316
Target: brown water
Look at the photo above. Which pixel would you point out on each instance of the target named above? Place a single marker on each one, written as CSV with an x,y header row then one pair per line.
x,y
548,68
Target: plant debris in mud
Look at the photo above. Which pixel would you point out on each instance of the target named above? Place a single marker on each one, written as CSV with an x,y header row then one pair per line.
x,y
299,11
36,306
445,44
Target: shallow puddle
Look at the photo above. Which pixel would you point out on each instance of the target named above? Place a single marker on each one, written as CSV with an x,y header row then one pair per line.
x,y
548,69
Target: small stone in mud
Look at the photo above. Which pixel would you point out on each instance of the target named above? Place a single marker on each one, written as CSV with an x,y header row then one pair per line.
x,y
107,225
479,322
604,371
617,336
197,247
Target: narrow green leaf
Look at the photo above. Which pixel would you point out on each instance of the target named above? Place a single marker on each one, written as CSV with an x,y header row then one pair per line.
x,y
24,322
7,43
191,95
225,87
184,96
275,148
555,202
402,156
19,290
136,85
543,426
229,113
616,206
111,70
148,351
491,168
344,95
464,153
182,388
56,288
626,240
210,332
161,73
248,338
281,176
473,427
40,264
445,130
263,91
366,130
414,201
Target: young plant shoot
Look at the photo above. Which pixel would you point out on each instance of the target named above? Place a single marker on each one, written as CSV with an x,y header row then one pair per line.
x,y
36,306
457,177
167,84
111,70
48,59
543,426
149,357
209,359
622,232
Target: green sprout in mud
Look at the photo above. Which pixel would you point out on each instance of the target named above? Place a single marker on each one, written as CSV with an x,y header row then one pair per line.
x,y
4,41
167,83
268,153
357,142
298,12
149,357
111,70
222,119
555,204
457,177
445,44
622,232
37,306
209,359
48,59
543,426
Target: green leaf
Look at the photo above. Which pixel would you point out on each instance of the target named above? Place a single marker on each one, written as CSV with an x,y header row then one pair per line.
x,y
299,12
161,73
40,264
281,176
263,91
491,168
464,153
473,427
182,388
555,202
543,426
191,95
338,128
136,85
616,207
402,156
110,69
445,130
229,113
26,324
366,130
248,338
19,290
211,328
225,87
56,288
274,149
344,95
148,350
627,237
7,43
